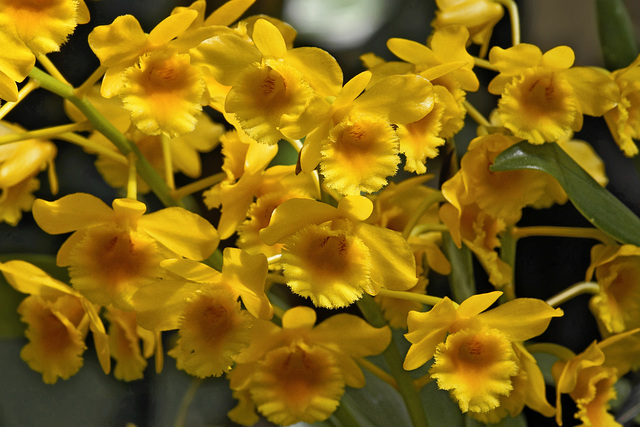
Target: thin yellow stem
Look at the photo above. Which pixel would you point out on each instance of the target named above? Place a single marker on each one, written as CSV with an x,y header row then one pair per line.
x,y
91,80
411,296
132,178
198,185
375,370
83,142
159,352
483,63
52,69
475,114
28,87
276,278
45,133
168,162
428,228
53,177
514,16
277,311
572,292
429,201
422,381
186,402
552,231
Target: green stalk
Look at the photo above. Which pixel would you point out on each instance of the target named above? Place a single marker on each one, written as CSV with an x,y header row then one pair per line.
x,y
461,279
406,387
102,125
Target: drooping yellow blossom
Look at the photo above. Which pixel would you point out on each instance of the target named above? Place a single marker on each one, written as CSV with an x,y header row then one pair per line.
x,y
472,348
203,305
543,98
124,342
275,92
298,373
624,119
16,60
43,25
357,146
58,320
477,16
20,162
113,252
589,377
617,271
501,195
332,257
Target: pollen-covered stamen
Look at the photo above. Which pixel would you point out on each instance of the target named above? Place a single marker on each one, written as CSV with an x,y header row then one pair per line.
x,y
213,330
294,384
476,365
359,155
329,266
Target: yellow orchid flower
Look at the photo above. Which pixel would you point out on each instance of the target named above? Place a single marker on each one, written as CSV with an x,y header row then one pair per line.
x,y
543,98
43,26
203,305
58,320
16,60
624,119
20,162
357,146
113,252
299,372
332,257
617,271
589,377
275,92
473,348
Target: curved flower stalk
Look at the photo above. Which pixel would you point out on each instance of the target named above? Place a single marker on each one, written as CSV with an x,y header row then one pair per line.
x,y
299,372
589,377
617,271
20,162
113,252
543,98
331,256
476,353
58,319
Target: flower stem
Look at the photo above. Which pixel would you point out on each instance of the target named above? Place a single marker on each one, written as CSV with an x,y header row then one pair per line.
x,y
461,279
91,80
186,402
572,292
375,370
428,201
483,63
168,162
45,133
51,68
198,185
552,231
411,296
475,114
423,381
132,179
92,146
508,255
102,125
29,87
514,16
407,389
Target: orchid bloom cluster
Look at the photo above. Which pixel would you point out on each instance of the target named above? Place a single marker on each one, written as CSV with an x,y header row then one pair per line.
x,y
338,228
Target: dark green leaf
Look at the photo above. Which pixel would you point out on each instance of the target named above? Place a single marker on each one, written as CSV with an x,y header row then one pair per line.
x,y
617,40
595,203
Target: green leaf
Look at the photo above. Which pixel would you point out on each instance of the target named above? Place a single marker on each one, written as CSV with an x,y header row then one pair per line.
x,y
617,40
595,203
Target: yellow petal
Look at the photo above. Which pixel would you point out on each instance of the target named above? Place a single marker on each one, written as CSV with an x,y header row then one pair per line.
x,y
521,319
319,68
159,305
352,335
29,279
120,41
72,212
411,51
294,214
356,208
228,56
558,58
352,89
247,274
192,270
299,318
268,39
228,12
16,60
595,90
183,232
403,99
171,27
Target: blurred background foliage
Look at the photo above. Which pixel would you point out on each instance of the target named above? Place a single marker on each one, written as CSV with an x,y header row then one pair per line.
x,y
347,29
